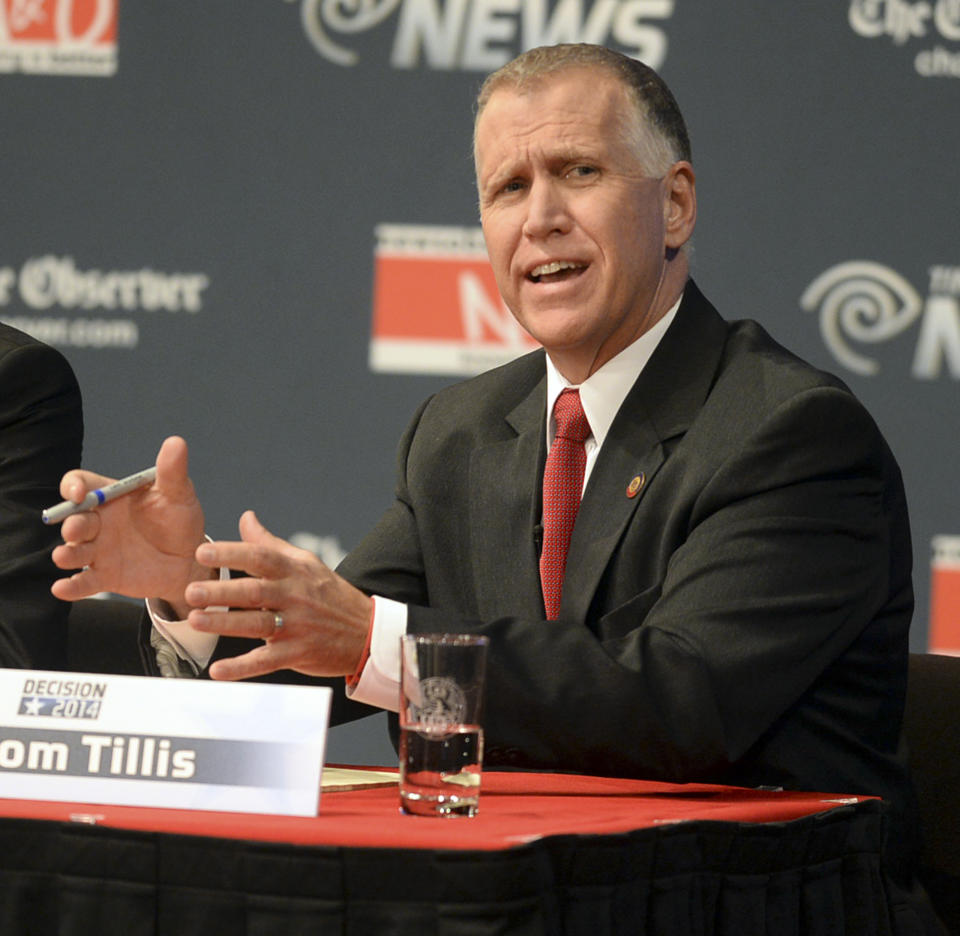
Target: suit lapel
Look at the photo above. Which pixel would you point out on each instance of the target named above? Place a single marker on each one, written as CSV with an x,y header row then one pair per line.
x,y
633,452
505,480
662,403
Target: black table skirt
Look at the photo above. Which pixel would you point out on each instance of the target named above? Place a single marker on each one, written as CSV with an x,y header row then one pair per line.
x,y
817,875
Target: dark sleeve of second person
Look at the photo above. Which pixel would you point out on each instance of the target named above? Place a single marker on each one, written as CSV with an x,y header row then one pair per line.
x,y
41,437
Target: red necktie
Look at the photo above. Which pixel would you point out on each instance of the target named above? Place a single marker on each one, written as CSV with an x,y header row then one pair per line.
x,y
562,487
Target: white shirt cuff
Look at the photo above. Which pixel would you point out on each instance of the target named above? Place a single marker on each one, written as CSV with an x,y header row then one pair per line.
x,y
192,646
379,683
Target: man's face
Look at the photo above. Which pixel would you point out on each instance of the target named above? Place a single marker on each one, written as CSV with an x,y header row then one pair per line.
x,y
574,229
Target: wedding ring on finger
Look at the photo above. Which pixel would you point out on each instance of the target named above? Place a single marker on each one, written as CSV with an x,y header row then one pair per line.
x,y
277,621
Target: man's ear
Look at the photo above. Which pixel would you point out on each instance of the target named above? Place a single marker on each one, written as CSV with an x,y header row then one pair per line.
x,y
680,204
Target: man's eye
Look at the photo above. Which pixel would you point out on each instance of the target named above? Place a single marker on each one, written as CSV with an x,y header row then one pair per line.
x,y
514,185
581,172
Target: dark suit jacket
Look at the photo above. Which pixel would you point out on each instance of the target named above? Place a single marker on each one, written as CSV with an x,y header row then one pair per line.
x,y
41,435
743,619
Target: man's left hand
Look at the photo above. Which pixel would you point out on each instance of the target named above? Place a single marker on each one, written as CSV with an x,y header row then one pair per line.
x,y
310,619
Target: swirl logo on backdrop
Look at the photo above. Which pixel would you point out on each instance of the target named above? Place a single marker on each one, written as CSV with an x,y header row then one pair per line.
x,y
50,298
436,307
59,37
482,35
903,21
862,304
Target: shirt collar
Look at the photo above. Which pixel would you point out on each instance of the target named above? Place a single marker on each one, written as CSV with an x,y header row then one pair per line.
x,y
604,391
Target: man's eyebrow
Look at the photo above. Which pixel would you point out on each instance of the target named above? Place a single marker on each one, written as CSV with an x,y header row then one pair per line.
x,y
572,155
563,155
498,176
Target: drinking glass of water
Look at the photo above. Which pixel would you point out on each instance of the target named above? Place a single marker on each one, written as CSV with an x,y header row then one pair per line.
x,y
441,708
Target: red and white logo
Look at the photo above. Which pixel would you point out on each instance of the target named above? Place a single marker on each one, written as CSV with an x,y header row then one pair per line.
x,y
436,308
59,37
944,635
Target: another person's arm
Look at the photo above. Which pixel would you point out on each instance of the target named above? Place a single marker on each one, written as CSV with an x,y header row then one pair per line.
x,y
41,435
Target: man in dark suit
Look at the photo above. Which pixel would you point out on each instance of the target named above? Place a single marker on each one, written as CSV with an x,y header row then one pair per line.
x,y
41,436
737,587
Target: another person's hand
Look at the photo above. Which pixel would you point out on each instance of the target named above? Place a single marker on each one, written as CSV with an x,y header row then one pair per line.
x,y
323,620
142,544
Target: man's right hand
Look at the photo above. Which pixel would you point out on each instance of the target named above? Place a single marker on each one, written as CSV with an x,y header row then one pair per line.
x,y
142,544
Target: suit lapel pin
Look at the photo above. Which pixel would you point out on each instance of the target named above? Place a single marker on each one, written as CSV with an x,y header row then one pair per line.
x,y
634,487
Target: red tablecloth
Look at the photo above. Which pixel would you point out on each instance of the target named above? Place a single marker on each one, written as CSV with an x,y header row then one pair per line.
x,y
547,855
515,808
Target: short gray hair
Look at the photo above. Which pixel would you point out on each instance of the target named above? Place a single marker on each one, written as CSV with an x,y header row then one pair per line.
x,y
659,135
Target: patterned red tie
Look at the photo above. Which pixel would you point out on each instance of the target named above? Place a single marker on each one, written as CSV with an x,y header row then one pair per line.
x,y
562,487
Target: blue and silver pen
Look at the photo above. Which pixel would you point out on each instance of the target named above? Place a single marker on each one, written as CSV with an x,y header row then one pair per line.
x,y
100,496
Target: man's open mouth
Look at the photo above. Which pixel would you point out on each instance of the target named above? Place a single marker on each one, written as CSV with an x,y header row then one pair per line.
x,y
555,271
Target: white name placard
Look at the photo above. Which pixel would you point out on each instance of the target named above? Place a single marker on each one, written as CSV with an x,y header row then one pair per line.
x,y
176,743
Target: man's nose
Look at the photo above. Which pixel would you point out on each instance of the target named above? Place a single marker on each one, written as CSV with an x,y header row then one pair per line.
x,y
547,211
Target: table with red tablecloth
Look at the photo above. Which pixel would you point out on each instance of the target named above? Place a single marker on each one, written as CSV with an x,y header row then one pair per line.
x,y
547,854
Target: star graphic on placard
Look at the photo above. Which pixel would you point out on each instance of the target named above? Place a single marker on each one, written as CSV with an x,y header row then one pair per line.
x,y
30,706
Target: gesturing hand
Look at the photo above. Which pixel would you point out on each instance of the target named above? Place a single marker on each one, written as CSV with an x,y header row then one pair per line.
x,y
141,544
325,619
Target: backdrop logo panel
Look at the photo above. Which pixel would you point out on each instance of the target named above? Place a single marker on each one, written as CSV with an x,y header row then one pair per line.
x,y
902,21
436,308
58,37
481,35
50,298
944,635
862,303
